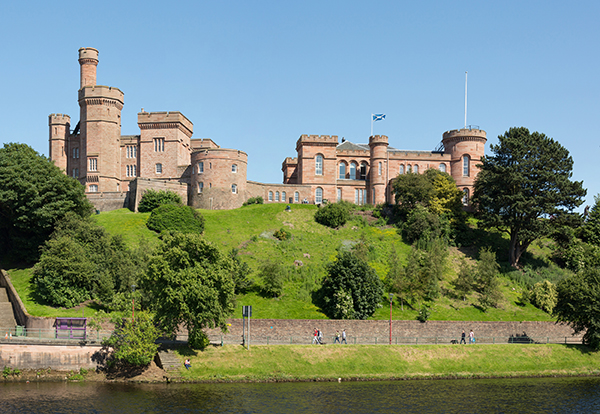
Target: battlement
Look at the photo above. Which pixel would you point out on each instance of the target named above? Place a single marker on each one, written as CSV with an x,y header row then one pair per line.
x,y
59,119
165,120
88,53
465,133
378,139
290,161
100,91
203,143
321,139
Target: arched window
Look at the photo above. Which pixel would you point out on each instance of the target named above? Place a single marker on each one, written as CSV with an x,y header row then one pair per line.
x,y
234,168
283,196
408,169
363,170
380,168
319,195
466,166
416,169
353,171
158,168
443,167
276,195
401,168
296,197
319,164
270,195
234,188
465,199
200,187
342,170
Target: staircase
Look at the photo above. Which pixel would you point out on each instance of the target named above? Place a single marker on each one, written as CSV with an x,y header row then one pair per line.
x,y
7,316
168,360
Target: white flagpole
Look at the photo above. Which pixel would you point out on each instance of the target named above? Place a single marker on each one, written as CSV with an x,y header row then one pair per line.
x,y
465,100
371,125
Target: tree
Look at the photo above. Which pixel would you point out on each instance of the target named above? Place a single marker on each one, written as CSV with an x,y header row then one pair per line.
x,y
191,284
34,195
578,304
133,342
486,279
152,199
525,182
465,281
412,189
272,275
333,215
176,217
396,279
590,231
351,288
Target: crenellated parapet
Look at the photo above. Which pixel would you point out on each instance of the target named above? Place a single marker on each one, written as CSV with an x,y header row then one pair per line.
x,y
165,120
317,140
59,119
378,140
464,134
101,95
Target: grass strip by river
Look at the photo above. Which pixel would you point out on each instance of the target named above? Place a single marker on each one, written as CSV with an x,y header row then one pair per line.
x,y
303,362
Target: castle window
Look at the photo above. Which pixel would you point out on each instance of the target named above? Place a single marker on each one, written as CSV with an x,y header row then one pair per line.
x,y
234,168
93,188
443,167
75,152
319,165
401,169
283,196
131,171
465,199
408,169
352,170
339,194
200,167
159,144
75,172
159,168
372,196
131,151
380,168
270,195
276,195
234,188
319,195
93,162
466,166
363,170
296,197
200,187
416,169
342,170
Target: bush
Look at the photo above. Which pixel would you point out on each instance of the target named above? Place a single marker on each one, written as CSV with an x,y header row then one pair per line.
x,y
176,217
333,215
282,234
273,276
544,296
254,200
152,199
133,342
421,224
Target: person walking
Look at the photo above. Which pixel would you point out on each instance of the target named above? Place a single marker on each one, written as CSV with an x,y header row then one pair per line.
x,y
315,336
337,337
471,337
344,337
462,338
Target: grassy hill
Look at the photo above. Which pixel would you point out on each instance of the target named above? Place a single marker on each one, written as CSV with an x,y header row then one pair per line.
x,y
250,230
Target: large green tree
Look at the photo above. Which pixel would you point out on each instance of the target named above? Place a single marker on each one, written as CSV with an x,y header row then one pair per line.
x,y
34,195
190,283
578,304
351,289
522,185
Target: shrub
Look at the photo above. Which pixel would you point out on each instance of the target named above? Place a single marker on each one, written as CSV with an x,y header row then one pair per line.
x,y
152,199
133,342
273,276
424,314
544,296
282,234
254,200
333,215
176,217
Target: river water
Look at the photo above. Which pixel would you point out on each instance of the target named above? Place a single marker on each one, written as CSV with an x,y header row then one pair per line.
x,y
548,395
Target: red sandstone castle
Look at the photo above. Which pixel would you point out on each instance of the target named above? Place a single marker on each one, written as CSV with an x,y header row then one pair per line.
x,y
116,169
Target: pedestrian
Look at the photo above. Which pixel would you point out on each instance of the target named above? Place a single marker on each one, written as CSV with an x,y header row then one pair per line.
x,y
471,337
462,338
187,364
337,337
344,337
320,337
315,336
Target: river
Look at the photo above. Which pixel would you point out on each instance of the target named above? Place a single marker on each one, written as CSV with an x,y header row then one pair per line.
x,y
544,395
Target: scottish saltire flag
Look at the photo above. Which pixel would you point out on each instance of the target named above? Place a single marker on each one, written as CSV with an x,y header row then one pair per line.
x,y
378,117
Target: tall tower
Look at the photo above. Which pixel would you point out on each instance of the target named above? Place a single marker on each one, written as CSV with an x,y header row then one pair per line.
x,y
378,174
100,123
60,126
466,147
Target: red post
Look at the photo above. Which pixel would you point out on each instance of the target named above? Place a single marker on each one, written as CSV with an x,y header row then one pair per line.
x,y
391,297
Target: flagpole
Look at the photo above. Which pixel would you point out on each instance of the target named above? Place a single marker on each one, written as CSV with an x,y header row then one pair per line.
x,y
371,125
465,100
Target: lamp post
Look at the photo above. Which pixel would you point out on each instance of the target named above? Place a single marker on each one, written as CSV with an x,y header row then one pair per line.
x,y
132,303
391,298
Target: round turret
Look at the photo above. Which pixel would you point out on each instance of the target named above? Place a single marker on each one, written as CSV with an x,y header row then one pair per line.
x,y
88,60
378,172
60,126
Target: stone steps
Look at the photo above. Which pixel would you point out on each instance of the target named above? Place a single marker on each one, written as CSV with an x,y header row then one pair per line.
x,y
3,295
168,360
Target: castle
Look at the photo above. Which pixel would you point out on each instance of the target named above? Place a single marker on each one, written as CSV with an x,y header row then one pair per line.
x,y
116,169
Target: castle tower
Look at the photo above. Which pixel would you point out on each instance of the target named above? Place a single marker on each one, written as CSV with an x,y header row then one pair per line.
x,y
60,126
466,147
378,174
88,60
100,123
317,164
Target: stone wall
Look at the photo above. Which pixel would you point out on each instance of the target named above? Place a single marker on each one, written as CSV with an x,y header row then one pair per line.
x,y
108,201
56,357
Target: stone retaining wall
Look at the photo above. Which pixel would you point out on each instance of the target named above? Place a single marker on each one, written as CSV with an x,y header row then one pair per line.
x,y
56,357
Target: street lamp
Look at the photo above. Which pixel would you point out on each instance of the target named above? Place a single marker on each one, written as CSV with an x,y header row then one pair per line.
x,y
132,303
391,298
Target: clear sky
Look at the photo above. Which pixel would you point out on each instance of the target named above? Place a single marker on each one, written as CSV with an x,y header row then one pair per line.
x,y
255,75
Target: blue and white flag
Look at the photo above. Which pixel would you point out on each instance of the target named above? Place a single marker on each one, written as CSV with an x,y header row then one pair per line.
x,y
378,117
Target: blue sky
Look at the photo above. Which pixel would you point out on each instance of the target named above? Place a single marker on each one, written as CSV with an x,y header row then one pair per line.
x,y
255,75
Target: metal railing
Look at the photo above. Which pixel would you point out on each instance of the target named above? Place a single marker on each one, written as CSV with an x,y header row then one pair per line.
x,y
22,334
